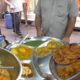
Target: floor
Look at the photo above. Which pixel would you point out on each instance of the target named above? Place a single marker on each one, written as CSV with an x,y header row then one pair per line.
x,y
10,36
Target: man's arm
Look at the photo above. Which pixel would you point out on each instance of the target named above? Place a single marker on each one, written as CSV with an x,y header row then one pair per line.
x,y
38,19
9,4
38,25
70,27
73,13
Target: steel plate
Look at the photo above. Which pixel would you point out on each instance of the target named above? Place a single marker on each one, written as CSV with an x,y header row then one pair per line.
x,y
45,44
42,66
53,65
16,43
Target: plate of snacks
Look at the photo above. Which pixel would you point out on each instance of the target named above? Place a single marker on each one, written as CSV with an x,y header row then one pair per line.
x,y
65,62
47,47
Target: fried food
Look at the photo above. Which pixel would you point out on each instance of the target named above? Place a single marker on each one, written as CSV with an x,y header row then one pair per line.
x,y
67,54
22,52
67,58
27,70
46,50
69,70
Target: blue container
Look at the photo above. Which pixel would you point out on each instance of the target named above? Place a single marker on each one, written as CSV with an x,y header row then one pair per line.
x,y
2,39
8,20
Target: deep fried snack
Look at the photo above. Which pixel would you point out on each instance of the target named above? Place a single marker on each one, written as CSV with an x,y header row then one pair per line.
x,y
69,70
67,54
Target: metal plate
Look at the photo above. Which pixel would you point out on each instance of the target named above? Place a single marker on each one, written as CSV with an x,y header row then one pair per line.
x,y
45,45
53,65
53,68
42,66
8,59
14,44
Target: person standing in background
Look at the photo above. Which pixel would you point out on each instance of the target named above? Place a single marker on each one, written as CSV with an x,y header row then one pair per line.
x,y
56,18
15,7
27,2
78,2
31,4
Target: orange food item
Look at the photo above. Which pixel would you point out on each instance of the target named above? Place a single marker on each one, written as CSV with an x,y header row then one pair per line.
x,y
3,78
67,54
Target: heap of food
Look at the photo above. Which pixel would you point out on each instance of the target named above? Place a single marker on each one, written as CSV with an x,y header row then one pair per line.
x,y
4,74
46,50
67,58
22,52
67,54
27,70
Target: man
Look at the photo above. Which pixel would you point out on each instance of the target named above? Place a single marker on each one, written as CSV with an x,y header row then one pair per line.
x,y
56,18
15,7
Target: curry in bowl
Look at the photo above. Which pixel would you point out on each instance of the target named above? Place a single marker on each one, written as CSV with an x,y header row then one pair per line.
x,y
4,73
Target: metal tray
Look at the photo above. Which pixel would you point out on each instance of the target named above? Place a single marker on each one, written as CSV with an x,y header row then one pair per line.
x,y
53,65
45,44
14,44
42,66
39,65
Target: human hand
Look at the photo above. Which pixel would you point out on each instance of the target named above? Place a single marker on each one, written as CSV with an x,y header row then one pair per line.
x,y
40,33
66,40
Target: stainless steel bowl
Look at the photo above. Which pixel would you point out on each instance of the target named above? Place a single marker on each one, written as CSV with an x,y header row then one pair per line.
x,y
9,60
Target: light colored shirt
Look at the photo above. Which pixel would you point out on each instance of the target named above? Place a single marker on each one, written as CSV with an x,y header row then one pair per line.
x,y
55,15
18,5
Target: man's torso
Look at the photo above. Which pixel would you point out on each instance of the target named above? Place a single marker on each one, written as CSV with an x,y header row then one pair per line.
x,y
17,5
54,16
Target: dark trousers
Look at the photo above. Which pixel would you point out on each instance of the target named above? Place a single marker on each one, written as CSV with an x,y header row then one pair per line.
x,y
16,19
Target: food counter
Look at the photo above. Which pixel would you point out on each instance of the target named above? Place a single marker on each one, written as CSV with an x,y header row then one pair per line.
x,y
46,58
36,62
